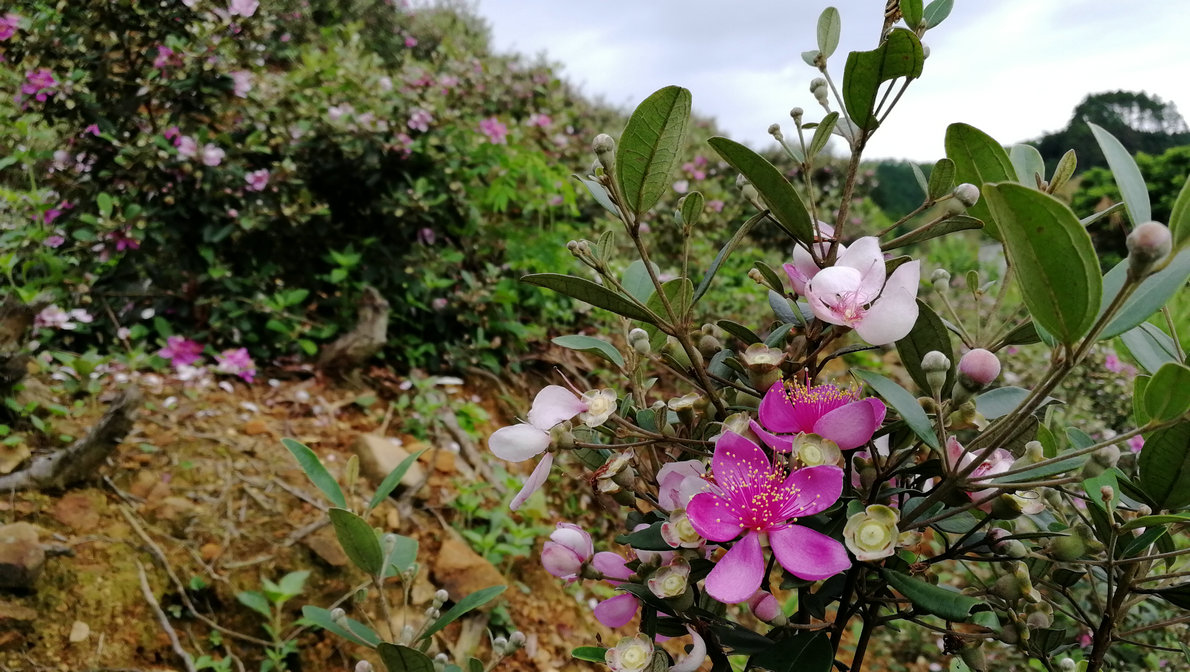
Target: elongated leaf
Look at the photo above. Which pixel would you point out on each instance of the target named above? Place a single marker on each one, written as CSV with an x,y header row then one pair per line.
x,y
637,282
647,539
256,602
941,179
1179,217
593,345
393,479
926,232
1162,519
358,632
397,658
1167,396
776,339
599,194
692,204
590,654
940,601
783,311
1179,596
911,11
1002,400
1139,384
1127,175
898,56
1052,256
317,473
904,403
358,540
470,603
739,331
1165,466
978,159
590,292
786,205
1042,471
403,555
736,239
1063,171
1154,292
829,27
822,134
920,179
650,147
1149,346
928,334
937,11
1028,164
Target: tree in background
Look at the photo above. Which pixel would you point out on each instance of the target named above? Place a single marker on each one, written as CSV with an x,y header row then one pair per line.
x,y
1143,123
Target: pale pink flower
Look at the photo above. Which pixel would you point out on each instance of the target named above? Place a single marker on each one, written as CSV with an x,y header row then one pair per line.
x,y
568,549
410,41
241,82
236,362
997,463
1136,443
257,180
212,155
682,186
53,317
244,8
495,130
420,120
715,205
187,146
552,406
678,482
856,292
54,241
539,120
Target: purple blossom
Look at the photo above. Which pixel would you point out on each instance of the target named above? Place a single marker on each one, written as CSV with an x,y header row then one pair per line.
x,y
752,496
837,414
212,155
495,130
93,129
39,83
410,41
236,362
9,24
420,120
257,180
1136,443
164,58
181,351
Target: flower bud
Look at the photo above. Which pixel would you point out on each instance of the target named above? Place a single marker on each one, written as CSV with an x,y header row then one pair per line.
x,y
1067,548
605,150
872,534
639,340
935,365
516,641
499,646
978,368
1039,616
674,349
1148,244
1107,493
440,598
765,607
1012,548
1067,665
775,131
364,666
1007,588
797,113
708,346
967,194
339,617
568,549
940,275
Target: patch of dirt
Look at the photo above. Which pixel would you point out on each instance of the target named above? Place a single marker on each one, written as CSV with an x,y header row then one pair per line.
x,y
204,500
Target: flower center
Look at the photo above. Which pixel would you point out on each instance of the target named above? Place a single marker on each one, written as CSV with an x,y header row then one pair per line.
x,y
873,535
635,657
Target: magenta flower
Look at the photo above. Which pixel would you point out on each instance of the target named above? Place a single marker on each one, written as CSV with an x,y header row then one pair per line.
x,y
181,351
8,26
857,293
496,131
236,362
1136,443
755,497
257,180
568,549
614,612
39,83
834,413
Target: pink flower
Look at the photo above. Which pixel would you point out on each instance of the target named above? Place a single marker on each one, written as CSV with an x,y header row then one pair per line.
x,y
165,57
998,462
212,155
187,146
753,496
236,362
241,83
9,25
539,120
244,8
856,293
181,351
1136,443
715,205
568,549
410,41
617,611
93,129
39,84
765,606
677,482
122,240
803,267
53,317
837,414
552,406
682,186
496,131
54,241
420,120
257,180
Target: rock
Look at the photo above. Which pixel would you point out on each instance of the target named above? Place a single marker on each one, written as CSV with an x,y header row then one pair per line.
x,y
76,511
21,556
325,545
444,461
209,551
79,631
461,571
255,427
379,455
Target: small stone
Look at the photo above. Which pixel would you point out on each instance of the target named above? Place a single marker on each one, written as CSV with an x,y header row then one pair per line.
x,y
461,571
76,511
21,556
256,427
444,461
326,546
209,551
379,455
79,632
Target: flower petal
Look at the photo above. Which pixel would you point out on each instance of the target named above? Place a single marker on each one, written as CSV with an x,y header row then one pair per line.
x,y
737,461
864,255
712,519
893,315
698,653
532,484
807,554
777,413
611,565
781,444
851,426
617,611
519,442
816,490
552,405
837,285
738,574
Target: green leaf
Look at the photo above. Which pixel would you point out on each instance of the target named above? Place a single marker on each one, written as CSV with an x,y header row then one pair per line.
x,y
1002,400
1149,346
679,292
1139,385
599,194
822,134
739,331
829,27
471,602
1179,596
978,159
1063,171
1167,395
783,309
1165,466
358,540
928,334
1061,290
391,481
256,602
941,179
784,203
590,292
293,583
637,282
402,557
593,345
590,654
104,201
317,473
397,658
920,178
904,404
692,204
1028,164
802,652
474,665
358,633
1153,292
647,539
1127,175
736,239
911,11
940,601
900,55
924,233
1044,471
650,147
1160,519
936,12
1179,217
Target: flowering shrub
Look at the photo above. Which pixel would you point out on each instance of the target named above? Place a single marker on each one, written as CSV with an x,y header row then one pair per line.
x,y
752,468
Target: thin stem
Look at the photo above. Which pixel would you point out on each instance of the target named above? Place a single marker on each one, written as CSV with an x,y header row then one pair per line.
x,y
1155,626
920,209
1177,345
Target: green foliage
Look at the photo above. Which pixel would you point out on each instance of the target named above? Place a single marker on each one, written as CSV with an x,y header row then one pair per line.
x,y
1143,123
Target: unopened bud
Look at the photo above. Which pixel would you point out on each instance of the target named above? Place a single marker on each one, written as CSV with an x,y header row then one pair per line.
x,y
708,346
1068,548
775,131
967,194
1039,616
605,150
364,666
925,51
1067,665
1148,244
1012,548
978,368
1007,588
516,641
440,598
339,617
797,113
935,365
765,607
940,279
407,633
819,89
1107,493
499,645
639,340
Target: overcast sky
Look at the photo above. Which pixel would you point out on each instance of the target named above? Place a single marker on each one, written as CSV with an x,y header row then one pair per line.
x,y
1013,68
